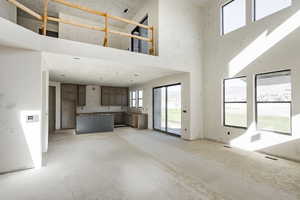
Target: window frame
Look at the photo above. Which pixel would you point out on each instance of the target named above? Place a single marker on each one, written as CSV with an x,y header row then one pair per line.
x,y
139,98
232,102
254,18
137,30
222,17
131,98
272,102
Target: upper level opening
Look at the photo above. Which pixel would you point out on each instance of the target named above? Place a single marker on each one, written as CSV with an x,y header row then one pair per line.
x,y
126,25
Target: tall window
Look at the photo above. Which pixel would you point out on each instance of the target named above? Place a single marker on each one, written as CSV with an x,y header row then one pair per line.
x,y
273,101
140,98
263,8
137,45
133,99
233,15
235,102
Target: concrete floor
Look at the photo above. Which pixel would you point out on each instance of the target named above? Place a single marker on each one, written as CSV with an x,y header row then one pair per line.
x,y
140,165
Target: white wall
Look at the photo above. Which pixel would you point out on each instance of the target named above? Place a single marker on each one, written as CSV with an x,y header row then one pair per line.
x,y
8,11
147,88
34,24
74,33
150,7
45,109
20,95
181,44
57,104
93,102
269,44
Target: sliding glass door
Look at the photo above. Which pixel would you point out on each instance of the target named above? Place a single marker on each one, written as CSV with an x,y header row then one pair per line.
x,y
167,109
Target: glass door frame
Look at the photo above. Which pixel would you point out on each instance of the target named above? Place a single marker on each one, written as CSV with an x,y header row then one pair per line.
x,y
166,109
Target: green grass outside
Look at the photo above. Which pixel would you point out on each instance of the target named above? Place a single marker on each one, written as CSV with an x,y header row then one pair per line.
x,y
281,124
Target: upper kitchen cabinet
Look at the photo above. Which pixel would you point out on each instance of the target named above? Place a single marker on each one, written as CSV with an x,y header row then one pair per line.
x,y
81,95
114,96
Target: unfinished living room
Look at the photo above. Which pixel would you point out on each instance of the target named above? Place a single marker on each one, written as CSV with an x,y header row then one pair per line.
x,y
149,99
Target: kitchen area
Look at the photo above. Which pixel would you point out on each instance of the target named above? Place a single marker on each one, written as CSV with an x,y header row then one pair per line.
x,y
93,108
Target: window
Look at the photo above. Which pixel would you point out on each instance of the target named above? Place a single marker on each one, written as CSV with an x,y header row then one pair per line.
x,y
235,102
132,97
263,8
273,101
233,16
140,98
137,45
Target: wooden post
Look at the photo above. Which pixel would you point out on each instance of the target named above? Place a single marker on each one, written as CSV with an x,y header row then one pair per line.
x,y
45,18
106,31
152,50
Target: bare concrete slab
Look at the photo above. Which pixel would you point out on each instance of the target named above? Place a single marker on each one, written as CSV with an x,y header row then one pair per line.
x,y
135,164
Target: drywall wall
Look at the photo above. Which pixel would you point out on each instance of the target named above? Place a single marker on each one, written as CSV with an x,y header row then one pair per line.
x,y
45,108
57,103
34,24
8,11
20,96
269,44
149,8
74,33
147,88
93,102
181,43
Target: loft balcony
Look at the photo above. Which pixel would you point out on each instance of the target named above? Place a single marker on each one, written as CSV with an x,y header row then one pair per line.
x,y
71,21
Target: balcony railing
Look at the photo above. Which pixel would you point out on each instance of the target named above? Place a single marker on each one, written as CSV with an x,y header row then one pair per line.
x,y
44,18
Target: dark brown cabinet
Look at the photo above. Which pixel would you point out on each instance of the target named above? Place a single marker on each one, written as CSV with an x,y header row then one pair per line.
x,y
81,95
114,96
68,106
118,118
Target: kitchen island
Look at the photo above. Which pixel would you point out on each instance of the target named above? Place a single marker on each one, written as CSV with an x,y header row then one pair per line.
x,y
94,123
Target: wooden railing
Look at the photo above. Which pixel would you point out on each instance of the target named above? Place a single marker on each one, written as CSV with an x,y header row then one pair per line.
x,y
107,31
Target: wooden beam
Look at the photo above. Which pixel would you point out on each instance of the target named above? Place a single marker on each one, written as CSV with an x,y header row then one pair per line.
x,y
129,35
27,10
64,21
128,21
106,31
82,8
45,18
152,50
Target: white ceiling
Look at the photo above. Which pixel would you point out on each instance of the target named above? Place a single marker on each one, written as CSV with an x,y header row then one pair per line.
x,y
67,69
114,7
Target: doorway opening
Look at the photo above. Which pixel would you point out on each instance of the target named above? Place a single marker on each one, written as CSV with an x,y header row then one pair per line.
x,y
167,109
52,110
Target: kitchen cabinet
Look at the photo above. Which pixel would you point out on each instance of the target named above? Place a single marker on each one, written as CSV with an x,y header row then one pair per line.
x,y
81,95
114,96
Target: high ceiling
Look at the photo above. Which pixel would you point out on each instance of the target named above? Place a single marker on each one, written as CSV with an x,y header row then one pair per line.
x,y
114,7
69,69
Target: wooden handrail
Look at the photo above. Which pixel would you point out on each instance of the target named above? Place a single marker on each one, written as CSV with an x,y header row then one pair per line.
x,y
129,21
27,10
82,8
130,35
45,18
65,21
